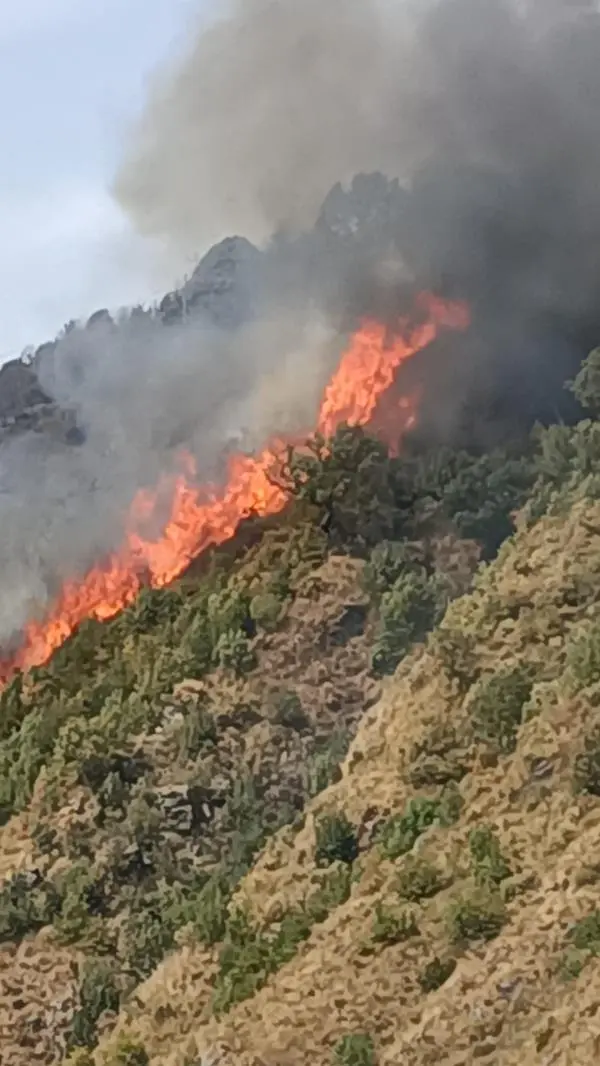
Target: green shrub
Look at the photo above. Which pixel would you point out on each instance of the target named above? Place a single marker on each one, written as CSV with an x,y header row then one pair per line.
x,y
26,907
455,650
210,909
98,992
265,610
436,973
391,926
586,386
419,880
289,712
400,833
129,1052
587,764
387,564
488,864
496,707
234,652
584,944
323,767
479,916
451,804
583,658
356,1049
336,840
249,956
199,731
333,891
407,612
585,934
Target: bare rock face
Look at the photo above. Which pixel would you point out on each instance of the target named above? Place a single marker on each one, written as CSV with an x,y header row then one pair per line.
x,y
224,284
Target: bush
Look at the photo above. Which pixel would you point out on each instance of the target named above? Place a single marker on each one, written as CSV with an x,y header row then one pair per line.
x,y
586,386
488,864
265,610
408,611
332,893
455,650
248,957
419,880
210,910
289,712
26,905
496,707
479,916
235,653
392,926
356,1049
584,944
98,992
129,1052
436,973
583,658
587,764
323,768
387,564
401,832
336,840
199,732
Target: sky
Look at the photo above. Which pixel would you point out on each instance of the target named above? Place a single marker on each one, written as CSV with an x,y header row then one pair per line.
x,y
72,78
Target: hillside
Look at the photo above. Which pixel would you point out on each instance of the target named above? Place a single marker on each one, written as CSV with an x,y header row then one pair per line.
x,y
332,797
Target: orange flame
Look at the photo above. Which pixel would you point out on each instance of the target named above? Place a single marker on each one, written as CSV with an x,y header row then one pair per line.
x,y
201,517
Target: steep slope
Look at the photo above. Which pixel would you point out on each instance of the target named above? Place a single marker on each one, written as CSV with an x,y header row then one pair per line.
x,y
503,880
331,795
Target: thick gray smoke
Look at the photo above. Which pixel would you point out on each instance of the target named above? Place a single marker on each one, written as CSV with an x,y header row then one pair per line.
x,y
488,113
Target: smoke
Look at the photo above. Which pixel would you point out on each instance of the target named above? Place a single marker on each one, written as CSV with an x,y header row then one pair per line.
x,y
140,392
487,113
486,119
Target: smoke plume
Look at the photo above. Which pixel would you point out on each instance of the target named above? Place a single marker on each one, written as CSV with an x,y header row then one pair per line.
x,y
485,118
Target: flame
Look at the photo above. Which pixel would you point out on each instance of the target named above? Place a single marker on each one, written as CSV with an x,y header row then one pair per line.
x,y
202,516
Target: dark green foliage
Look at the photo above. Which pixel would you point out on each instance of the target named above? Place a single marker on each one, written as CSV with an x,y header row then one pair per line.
x,y
585,934
436,973
27,903
249,956
289,712
487,861
129,1052
387,564
12,706
352,483
98,992
407,612
234,652
496,707
584,944
587,764
483,495
479,916
336,840
586,386
332,893
265,610
199,731
323,768
456,653
419,880
391,926
401,832
356,1049
583,658
477,493
208,912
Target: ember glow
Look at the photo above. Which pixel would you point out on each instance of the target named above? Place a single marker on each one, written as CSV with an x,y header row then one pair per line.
x,y
201,516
